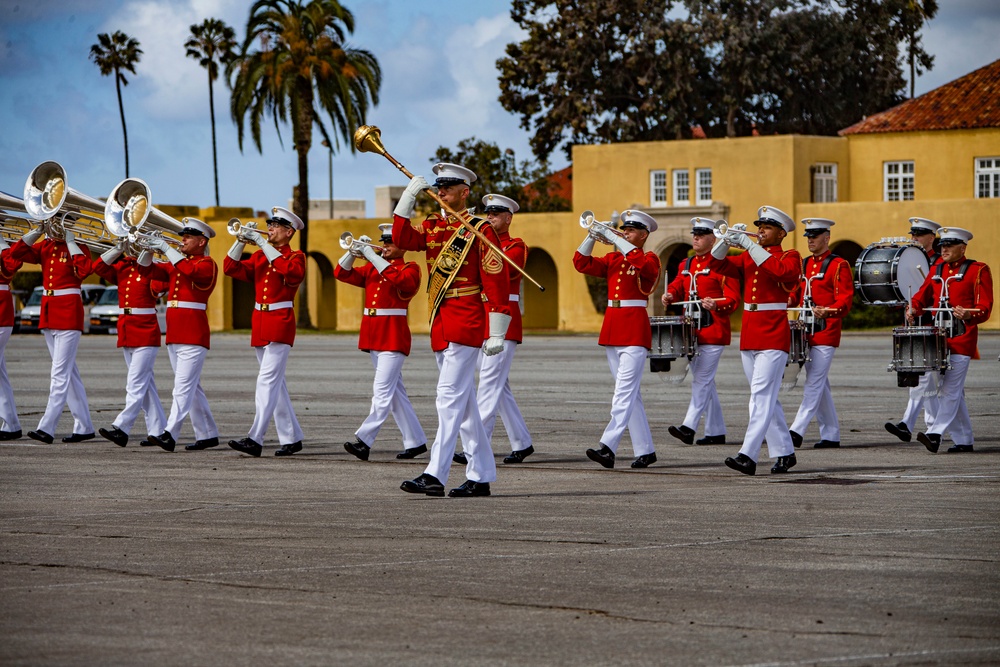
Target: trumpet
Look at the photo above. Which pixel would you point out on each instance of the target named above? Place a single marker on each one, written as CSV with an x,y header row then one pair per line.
x,y
587,221
723,228
349,243
241,230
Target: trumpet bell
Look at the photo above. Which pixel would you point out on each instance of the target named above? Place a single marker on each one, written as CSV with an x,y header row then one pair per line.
x,y
587,219
346,239
368,139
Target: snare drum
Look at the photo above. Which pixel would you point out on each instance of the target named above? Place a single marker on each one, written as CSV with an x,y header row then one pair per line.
x,y
919,350
673,337
889,274
798,351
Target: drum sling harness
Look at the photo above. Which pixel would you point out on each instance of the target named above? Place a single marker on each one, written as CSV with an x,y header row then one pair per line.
x,y
820,321
706,319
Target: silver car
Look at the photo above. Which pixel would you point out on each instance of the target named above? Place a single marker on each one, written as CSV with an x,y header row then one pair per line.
x,y
31,313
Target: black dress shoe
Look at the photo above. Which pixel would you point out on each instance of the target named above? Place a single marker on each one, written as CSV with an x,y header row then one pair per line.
x,y
10,435
899,430
460,457
783,464
470,490
79,437
682,433
146,442
929,440
796,439
247,446
644,461
426,484
519,455
412,452
40,436
827,444
742,463
289,449
960,449
115,435
711,440
164,441
202,444
358,449
604,456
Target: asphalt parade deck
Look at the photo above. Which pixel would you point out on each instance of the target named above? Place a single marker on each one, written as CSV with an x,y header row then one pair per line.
x,y
878,553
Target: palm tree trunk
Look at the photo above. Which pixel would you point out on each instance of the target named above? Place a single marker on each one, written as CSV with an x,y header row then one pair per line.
x,y
215,160
302,204
121,111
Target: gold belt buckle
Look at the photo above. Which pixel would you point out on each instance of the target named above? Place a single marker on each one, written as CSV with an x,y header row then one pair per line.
x,y
50,292
171,304
264,307
752,307
126,311
372,312
616,303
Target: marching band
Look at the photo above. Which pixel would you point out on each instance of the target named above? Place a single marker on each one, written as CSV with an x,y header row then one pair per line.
x,y
792,312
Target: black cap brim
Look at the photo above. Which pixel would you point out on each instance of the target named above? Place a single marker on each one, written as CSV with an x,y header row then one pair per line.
x,y
278,221
192,231
951,242
445,182
496,209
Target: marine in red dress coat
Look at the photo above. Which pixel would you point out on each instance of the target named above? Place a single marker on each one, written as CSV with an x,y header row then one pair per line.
x,y
275,285
136,291
61,270
517,250
192,280
722,290
10,425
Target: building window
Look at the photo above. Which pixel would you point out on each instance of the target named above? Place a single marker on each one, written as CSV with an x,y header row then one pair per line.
x,y
658,187
824,182
682,188
704,177
899,181
987,177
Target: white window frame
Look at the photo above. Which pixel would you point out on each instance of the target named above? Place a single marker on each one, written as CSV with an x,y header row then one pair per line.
x,y
682,191
825,182
988,175
899,180
657,188
703,183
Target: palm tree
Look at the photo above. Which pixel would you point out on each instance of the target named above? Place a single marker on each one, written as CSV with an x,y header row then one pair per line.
x,y
212,43
117,54
302,68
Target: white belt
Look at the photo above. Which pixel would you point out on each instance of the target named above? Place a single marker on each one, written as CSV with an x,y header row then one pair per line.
x,y
752,307
514,297
374,312
137,311
626,303
277,305
193,305
62,292
4,288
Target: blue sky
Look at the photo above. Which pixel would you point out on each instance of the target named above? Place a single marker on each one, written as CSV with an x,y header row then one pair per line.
x,y
439,86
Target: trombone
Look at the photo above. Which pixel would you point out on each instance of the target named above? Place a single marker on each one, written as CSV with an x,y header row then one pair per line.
x,y
347,242
587,221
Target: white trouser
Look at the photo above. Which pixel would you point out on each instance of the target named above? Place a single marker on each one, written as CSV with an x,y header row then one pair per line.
x,y
952,413
458,411
140,391
764,369
65,385
627,410
924,395
271,397
704,396
8,410
817,399
189,397
494,396
389,397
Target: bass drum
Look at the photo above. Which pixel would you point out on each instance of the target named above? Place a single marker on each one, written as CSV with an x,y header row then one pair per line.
x,y
889,274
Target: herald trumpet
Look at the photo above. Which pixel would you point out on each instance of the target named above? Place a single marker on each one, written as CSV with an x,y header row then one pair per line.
x,y
241,230
722,229
351,244
589,222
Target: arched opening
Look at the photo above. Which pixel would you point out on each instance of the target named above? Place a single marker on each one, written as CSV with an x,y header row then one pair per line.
x,y
540,310
243,301
670,261
849,250
322,292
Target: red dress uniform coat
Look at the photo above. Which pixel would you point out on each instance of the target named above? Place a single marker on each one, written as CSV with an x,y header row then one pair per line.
x,y
391,289
518,252
8,267
724,290
60,270
192,279
771,282
975,290
834,290
135,290
631,277
461,318
273,283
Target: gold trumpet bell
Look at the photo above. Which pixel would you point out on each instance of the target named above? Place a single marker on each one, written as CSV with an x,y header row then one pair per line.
x,y
368,139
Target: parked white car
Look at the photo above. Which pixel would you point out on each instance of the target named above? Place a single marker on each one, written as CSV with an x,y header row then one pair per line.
x,y
104,314
32,311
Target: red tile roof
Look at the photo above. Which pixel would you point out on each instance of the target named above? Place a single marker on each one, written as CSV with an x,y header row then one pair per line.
x,y
969,102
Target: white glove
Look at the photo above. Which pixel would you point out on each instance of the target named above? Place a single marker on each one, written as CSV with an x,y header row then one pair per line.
x,y
173,254
737,240
498,330
111,256
758,253
157,243
269,250
33,235
408,200
145,258
720,249
3,244
624,247
379,262
255,237
587,247
347,261
70,239
236,250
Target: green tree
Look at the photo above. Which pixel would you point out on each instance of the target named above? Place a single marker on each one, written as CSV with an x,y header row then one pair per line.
x,y
212,43
294,65
116,54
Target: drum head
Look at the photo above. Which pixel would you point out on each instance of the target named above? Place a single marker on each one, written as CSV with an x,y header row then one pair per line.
x,y
911,270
